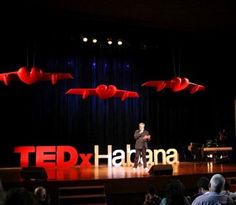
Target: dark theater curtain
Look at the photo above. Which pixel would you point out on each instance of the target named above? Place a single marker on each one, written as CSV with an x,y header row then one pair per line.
x,y
42,114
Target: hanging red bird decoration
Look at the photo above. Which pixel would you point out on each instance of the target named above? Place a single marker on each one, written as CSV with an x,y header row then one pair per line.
x,y
176,84
33,76
103,92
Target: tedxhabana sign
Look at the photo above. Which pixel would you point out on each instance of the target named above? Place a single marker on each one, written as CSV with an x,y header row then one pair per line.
x,y
55,156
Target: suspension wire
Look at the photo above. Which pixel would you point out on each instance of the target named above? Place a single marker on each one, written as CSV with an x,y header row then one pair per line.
x,y
173,59
34,55
27,57
179,59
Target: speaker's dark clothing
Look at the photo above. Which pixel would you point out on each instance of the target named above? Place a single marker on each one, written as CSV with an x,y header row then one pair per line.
x,y
140,145
140,142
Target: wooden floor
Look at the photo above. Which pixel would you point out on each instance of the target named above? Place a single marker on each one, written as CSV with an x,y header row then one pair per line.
x,y
103,172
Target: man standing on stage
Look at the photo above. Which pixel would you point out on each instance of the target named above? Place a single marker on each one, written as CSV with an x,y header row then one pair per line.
x,y
142,137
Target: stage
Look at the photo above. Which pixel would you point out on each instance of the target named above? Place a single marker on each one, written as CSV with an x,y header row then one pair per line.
x,y
122,184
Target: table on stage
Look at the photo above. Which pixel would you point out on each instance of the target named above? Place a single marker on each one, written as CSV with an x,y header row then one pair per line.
x,y
216,153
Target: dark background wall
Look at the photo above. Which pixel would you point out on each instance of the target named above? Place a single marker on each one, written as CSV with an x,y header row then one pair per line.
x,y
42,114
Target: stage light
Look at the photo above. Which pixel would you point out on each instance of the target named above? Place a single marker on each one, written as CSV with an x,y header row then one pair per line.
x,y
119,42
85,39
109,41
94,40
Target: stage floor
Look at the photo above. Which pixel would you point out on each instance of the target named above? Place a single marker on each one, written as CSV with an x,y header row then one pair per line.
x,y
104,172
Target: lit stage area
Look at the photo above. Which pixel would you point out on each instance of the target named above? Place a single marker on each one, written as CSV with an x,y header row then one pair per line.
x,y
121,185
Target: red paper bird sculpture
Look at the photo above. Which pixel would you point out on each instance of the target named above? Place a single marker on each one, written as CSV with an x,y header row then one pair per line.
x,y
176,84
104,92
33,76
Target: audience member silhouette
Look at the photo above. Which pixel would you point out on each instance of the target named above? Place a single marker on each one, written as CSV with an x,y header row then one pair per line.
x,y
41,196
175,194
19,196
203,186
228,192
2,193
214,196
151,197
